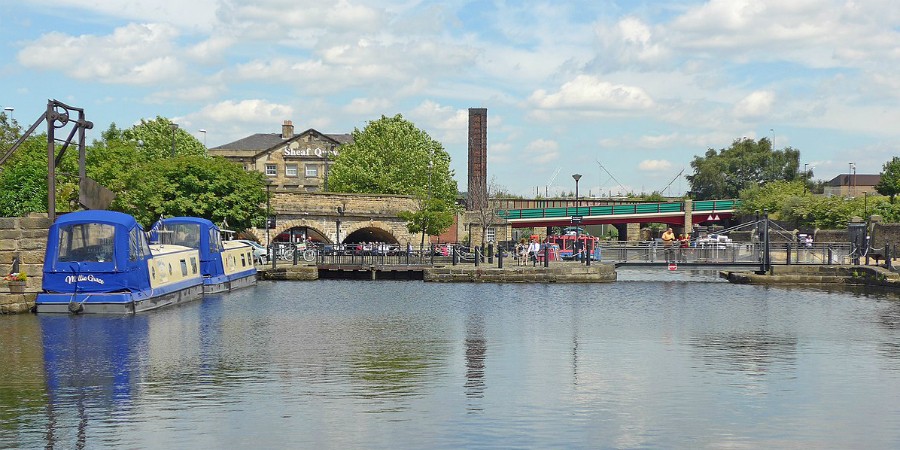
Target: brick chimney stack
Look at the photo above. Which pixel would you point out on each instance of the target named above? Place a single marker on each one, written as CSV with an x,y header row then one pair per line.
x,y
477,159
287,129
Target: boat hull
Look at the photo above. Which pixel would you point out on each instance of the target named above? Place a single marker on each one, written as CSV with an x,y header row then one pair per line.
x,y
112,303
229,283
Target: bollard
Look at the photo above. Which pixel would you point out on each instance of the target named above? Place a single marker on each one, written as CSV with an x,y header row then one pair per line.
x,y
546,256
432,254
500,259
273,258
491,253
587,258
788,254
296,253
454,256
477,256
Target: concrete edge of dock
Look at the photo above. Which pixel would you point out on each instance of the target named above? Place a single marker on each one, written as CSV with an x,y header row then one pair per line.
x,y
568,273
817,275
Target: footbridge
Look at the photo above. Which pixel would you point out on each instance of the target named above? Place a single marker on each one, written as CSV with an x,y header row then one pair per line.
x,y
674,213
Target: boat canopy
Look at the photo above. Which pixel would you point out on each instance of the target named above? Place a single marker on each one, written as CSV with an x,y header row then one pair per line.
x,y
96,251
193,232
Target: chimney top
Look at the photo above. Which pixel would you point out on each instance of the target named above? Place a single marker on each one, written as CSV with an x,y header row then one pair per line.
x,y
287,129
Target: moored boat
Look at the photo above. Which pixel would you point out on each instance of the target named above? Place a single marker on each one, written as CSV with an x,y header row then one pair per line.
x,y
101,262
225,265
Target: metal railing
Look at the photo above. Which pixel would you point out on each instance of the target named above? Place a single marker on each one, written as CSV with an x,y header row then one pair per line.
x,y
727,253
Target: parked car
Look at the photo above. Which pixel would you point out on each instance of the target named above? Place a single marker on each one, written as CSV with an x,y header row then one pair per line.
x,y
260,255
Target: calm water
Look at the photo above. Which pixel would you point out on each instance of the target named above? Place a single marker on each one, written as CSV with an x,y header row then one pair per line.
x,y
654,360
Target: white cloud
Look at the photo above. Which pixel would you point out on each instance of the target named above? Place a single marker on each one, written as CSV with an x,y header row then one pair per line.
x,y
542,151
133,54
367,106
655,165
587,92
257,111
757,104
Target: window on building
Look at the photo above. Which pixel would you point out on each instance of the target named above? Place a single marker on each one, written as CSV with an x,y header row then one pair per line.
x,y
271,170
491,234
290,170
312,170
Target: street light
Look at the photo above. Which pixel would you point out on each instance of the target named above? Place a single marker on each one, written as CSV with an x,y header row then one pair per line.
x,y
852,179
268,212
9,110
174,129
204,136
577,177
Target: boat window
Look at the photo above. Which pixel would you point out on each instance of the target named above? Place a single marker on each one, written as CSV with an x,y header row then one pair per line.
x,y
186,234
136,245
183,268
215,241
86,242
193,265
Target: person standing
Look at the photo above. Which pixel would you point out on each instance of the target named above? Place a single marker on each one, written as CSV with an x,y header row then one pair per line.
x,y
668,239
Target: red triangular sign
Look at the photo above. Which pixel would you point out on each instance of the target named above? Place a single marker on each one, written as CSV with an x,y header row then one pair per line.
x,y
717,217
710,217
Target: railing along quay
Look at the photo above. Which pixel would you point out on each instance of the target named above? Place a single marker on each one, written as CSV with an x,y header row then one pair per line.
x,y
724,253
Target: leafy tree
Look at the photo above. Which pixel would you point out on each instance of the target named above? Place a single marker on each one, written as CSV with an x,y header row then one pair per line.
x,y
23,177
747,163
391,156
213,188
890,179
154,139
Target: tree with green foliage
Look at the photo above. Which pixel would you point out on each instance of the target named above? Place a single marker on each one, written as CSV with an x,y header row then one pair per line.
x,y
23,177
391,156
890,179
747,163
155,137
149,183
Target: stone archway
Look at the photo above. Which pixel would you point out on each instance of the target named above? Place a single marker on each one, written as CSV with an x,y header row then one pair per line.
x,y
285,225
371,231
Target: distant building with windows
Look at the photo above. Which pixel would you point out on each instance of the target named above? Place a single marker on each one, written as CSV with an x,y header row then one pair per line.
x,y
851,185
292,162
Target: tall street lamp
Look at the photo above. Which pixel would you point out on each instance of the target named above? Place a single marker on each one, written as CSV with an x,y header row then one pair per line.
x,y
9,110
174,129
577,177
204,136
268,215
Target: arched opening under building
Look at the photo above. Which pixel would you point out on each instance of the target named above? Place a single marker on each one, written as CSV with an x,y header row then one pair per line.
x,y
371,234
302,234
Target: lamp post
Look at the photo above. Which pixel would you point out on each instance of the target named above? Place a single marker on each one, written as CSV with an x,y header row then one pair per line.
x,y
204,136
577,177
805,176
9,110
852,180
268,216
174,129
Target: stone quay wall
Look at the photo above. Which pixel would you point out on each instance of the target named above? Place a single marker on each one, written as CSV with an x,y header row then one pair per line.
x,y
24,238
568,273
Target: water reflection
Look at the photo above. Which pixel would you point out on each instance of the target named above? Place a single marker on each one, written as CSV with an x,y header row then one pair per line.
x,y
90,371
666,363
751,353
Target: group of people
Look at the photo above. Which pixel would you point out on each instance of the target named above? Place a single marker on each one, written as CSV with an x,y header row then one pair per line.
x,y
672,242
526,252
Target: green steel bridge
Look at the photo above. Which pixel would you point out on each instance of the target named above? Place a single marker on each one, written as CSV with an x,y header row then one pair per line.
x,y
673,213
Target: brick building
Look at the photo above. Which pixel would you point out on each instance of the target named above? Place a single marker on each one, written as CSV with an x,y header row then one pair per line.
x,y
294,162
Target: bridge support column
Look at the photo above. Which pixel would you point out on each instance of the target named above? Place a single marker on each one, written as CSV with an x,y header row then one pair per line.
x,y
688,216
633,232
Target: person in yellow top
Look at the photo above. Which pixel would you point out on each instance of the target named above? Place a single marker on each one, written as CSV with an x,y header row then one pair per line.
x,y
668,239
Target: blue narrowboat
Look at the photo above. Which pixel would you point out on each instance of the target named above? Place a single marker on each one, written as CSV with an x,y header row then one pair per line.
x,y
101,262
225,265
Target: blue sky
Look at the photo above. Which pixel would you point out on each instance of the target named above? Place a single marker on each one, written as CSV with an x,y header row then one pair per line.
x,y
641,87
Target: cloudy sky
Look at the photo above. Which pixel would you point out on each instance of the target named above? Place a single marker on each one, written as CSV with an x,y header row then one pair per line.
x,y
626,93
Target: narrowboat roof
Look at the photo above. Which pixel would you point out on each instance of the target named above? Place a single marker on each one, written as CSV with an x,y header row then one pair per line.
x,y
97,216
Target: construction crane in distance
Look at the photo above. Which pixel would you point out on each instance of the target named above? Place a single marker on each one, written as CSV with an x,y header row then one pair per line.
x,y
550,183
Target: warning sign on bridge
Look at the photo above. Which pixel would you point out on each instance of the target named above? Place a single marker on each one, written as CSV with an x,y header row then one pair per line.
x,y
713,218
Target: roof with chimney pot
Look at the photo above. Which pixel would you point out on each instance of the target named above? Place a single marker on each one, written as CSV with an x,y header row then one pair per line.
x,y
260,142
